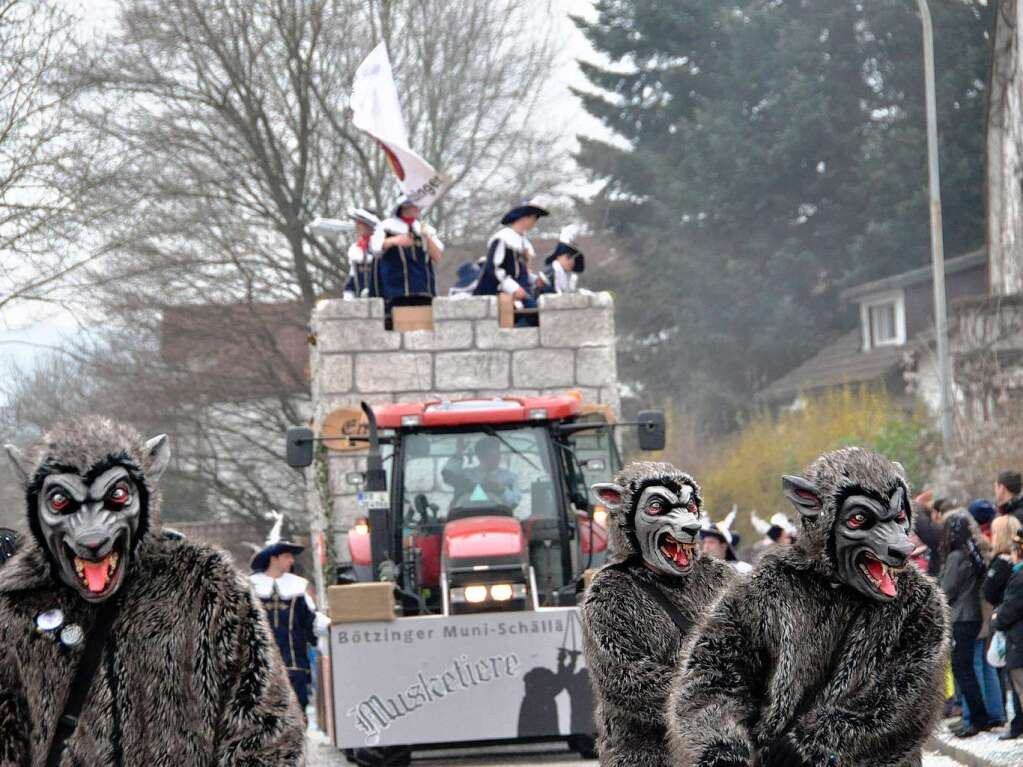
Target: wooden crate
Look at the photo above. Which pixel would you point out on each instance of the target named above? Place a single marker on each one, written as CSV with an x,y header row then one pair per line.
x,y
358,602
405,318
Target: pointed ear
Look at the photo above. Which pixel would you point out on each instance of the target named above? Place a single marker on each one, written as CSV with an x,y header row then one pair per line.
x,y
18,462
802,494
158,450
609,494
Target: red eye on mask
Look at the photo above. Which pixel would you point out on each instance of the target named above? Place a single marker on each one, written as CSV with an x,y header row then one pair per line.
x,y
655,507
857,520
119,496
59,501
692,507
901,519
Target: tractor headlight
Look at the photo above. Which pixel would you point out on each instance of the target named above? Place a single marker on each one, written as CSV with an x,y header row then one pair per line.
x,y
475,594
501,592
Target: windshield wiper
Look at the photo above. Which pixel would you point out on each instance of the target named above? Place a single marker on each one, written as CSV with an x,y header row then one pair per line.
x,y
510,446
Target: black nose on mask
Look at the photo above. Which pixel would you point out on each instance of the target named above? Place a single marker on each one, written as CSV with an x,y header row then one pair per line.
x,y
900,553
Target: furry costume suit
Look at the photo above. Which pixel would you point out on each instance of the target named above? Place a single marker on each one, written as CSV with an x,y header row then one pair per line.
x,y
802,665
632,645
189,675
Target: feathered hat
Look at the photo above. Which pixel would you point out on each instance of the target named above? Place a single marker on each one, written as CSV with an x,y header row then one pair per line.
x,y
566,247
364,216
773,529
274,546
722,531
525,208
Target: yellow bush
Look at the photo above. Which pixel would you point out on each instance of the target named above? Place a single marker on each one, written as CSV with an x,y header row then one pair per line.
x,y
746,469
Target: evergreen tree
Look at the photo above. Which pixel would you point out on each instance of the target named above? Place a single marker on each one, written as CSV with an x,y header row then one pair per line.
x,y
769,154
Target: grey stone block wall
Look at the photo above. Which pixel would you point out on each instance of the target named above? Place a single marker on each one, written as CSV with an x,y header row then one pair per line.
x,y
465,355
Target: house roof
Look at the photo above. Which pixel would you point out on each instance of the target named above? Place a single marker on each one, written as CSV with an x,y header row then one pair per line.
x,y
914,277
842,362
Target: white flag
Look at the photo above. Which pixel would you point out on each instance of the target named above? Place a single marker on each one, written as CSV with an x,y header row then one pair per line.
x,y
377,111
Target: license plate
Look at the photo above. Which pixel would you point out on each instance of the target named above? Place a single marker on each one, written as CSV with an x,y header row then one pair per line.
x,y
373,500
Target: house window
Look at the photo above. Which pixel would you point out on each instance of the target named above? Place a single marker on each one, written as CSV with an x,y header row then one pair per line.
x,y
884,320
882,324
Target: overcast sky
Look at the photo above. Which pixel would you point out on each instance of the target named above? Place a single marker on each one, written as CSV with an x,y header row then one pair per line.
x,y
25,328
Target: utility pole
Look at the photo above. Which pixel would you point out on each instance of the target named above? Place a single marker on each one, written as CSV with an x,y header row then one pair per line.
x,y
937,243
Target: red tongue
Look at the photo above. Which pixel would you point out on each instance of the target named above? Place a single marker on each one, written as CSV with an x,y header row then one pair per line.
x,y
96,575
681,558
880,573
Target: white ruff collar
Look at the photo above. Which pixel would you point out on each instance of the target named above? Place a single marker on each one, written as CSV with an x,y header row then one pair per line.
x,y
511,239
289,585
398,226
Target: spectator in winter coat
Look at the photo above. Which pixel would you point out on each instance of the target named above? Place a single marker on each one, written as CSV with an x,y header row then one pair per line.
x,y
1003,529
1007,494
987,676
961,579
983,511
927,526
1009,618
929,533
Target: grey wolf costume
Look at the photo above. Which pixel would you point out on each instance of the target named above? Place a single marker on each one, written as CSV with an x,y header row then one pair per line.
x,y
834,651
631,638
186,672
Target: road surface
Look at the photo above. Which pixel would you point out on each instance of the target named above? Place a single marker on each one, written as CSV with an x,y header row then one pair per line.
x,y
322,754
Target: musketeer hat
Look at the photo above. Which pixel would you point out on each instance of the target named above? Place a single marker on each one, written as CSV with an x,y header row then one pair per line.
x,y
523,209
274,547
364,216
566,247
468,274
403,201
723,532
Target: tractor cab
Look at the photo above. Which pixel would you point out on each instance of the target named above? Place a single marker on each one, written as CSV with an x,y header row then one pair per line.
x,y
488,501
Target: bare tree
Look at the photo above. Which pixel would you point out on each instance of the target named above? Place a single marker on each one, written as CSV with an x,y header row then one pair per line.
x,y
218,130
40,250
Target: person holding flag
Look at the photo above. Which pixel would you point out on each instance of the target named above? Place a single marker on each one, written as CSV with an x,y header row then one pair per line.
x,y
408,250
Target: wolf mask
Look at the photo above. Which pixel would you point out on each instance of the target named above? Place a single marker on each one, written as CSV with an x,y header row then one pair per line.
x,y
91,499
655,512
855,509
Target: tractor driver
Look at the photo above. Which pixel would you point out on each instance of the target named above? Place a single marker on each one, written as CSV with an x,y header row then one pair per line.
x,y
486,481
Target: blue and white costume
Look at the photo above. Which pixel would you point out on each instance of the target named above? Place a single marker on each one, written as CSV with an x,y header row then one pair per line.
x,y
506,268
295,624
404,271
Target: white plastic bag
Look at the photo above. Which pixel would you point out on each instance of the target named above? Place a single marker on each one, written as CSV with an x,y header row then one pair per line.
x,y
996,650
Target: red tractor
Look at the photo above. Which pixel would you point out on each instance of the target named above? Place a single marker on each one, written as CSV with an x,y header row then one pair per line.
x,y
478,510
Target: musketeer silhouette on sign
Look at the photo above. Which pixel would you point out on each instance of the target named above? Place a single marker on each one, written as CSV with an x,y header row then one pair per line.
x,y
538,714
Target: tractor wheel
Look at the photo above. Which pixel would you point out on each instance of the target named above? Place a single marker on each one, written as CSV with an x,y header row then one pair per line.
x,y
584,745
389,756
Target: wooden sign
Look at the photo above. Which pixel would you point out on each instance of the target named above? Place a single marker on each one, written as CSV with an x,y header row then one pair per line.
x,y
342,424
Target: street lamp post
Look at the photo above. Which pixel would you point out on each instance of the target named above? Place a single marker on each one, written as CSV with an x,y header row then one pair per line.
x,y
937,244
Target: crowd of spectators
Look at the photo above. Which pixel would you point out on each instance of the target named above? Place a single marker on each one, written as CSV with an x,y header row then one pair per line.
x,y
976,552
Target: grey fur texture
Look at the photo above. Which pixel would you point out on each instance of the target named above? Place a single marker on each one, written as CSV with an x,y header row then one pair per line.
x,y
632,646
190,676
792,662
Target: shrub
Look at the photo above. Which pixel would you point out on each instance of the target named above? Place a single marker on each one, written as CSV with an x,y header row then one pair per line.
x,y
745,470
